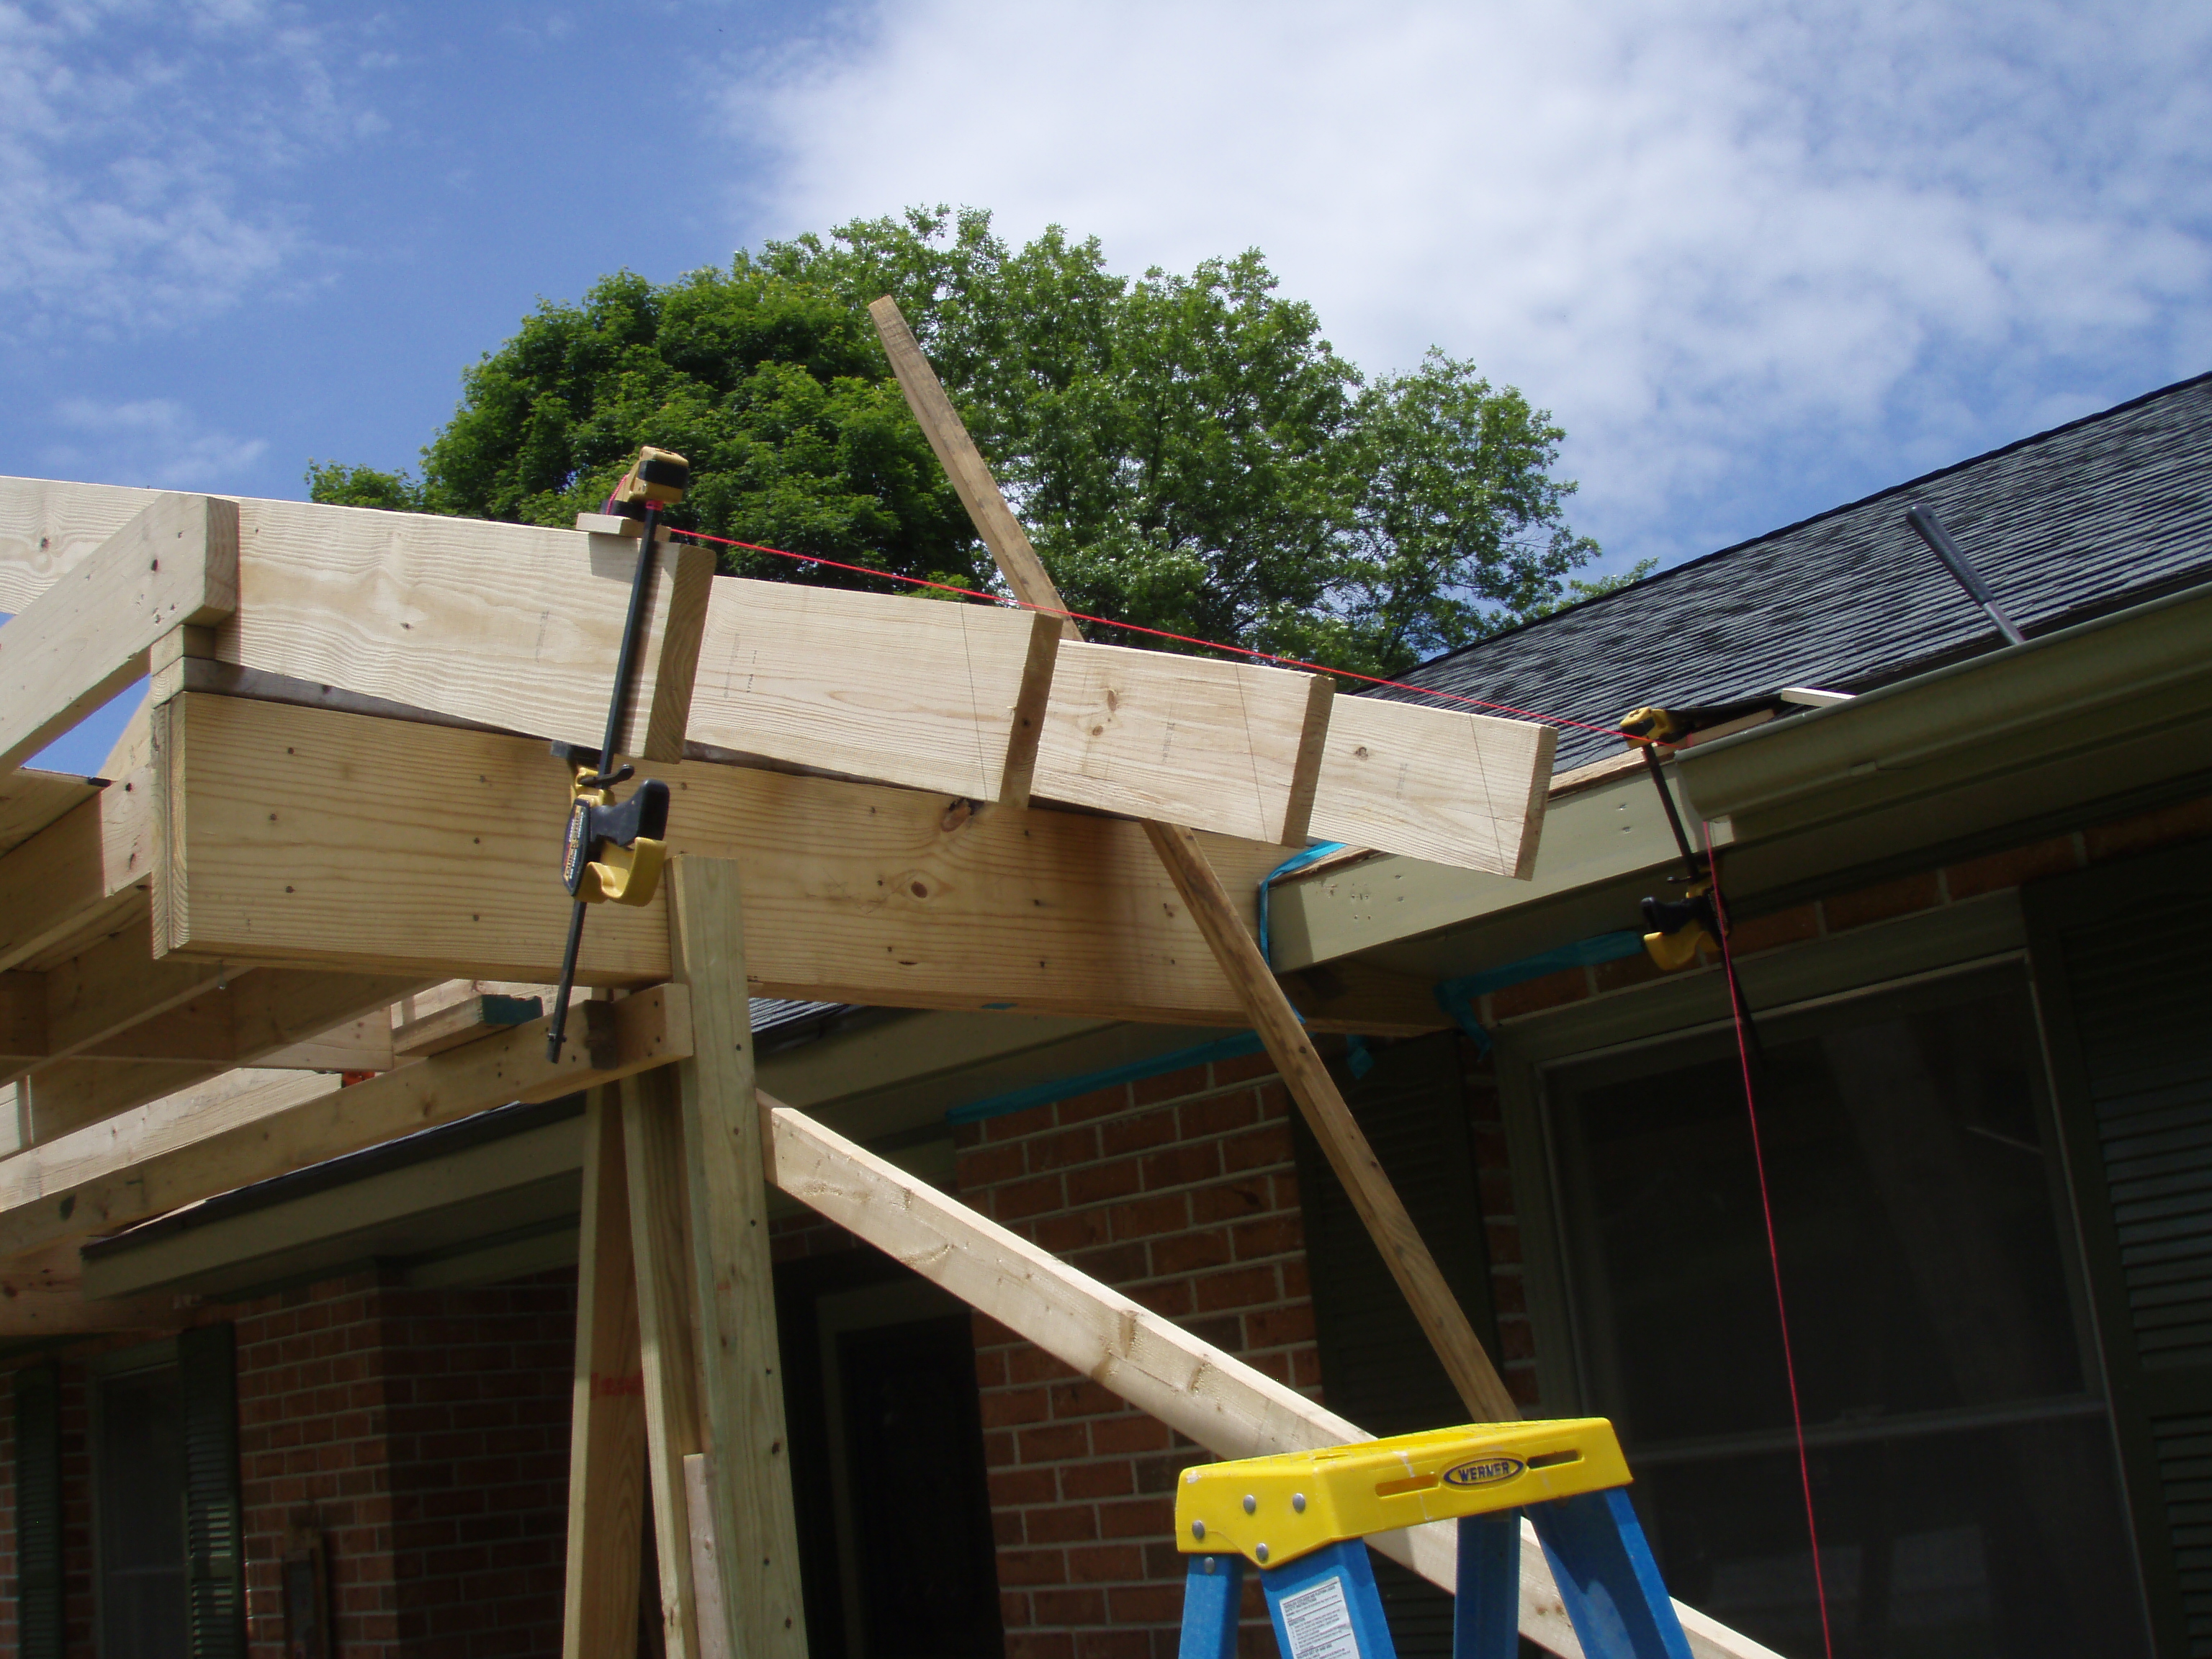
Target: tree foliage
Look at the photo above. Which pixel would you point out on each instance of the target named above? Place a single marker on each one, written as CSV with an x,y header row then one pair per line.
x,y
1187,451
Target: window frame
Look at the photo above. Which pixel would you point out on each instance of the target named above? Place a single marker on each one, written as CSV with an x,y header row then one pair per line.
x,y
102,1370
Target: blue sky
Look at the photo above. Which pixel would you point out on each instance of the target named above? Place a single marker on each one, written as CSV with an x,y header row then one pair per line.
x,y
1758,259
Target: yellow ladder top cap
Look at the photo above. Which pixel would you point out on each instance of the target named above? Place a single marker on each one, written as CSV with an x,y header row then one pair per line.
x,y
1276,1508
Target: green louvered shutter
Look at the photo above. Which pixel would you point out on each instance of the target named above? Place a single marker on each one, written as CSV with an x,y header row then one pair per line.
x,y
215,1564
39,1513
2123,969
1376,1366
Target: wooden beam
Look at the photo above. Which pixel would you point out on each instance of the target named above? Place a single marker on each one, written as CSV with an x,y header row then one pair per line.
x,y
476,1017
1441,1319
43,1296
607,1419
47,528
956,452
879,686
289,843
1224,746
87,637
116,984
733,1286
30,800
515,628
1192,1386
661,1238
1433,783
1017,777
152,1158
71,880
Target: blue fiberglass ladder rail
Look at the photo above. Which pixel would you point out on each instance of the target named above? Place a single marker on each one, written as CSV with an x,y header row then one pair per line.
x,y
1303,1517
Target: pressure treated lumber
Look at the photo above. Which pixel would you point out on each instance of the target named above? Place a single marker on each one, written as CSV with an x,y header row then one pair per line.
x,y
660,1241
956,452
71,880
889,687
242,1022
87,637
1215,1399
606,1418
732,1279
1455,789
152,1158
516,628
1441,1319
1221,745
43,1296
290,842
32,799
478,1016
1224,746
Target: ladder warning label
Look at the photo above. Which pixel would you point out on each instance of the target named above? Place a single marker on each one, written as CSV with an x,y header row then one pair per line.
x,y
1319,1623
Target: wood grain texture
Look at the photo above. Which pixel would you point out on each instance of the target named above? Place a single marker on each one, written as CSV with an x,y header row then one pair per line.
x,y
1192,1386
1018,778
30,800
606,1416
243,1022
477,1016
706,1565
86,636
1441,1319
956,452
295,848
1218,746
733,1278
152,1158
510,625
48,527
660,1241
1434,783
71,880
883,686
687,572
43,1296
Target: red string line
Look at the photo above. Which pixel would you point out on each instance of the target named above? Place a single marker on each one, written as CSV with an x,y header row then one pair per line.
x,y
1156,633
1774,1253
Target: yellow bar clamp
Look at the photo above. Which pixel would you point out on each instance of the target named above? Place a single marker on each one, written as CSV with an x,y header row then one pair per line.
x,y
1273,1509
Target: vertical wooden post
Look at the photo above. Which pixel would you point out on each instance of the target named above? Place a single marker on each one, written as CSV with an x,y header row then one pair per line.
x,y
606,1435
659,1196
741,1373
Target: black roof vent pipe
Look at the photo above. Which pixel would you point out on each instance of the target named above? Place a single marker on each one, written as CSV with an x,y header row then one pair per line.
x,y
1930,528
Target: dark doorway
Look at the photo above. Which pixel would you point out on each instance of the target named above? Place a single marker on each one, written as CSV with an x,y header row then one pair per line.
x,y
895,1546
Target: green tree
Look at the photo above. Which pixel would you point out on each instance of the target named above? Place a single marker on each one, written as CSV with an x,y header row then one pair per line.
x,y
1187,451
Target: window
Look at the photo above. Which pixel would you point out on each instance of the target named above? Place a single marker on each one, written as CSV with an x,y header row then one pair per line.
x,y
1961,1450
165,1500
138,1505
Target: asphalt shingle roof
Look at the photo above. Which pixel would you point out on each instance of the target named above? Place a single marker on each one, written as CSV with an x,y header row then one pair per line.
x,y
2062,526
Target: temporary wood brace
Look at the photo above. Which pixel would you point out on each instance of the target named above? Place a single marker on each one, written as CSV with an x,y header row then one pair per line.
x,y
1262,997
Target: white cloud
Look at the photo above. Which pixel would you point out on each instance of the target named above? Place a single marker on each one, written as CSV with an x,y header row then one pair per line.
x,y
1715,239
155,442
139,144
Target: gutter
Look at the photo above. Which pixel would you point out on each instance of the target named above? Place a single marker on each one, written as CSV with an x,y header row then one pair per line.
x,y
2135,673
2083,722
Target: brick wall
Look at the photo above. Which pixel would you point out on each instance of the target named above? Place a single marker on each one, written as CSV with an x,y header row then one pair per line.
x,y
1178,1191
425,1433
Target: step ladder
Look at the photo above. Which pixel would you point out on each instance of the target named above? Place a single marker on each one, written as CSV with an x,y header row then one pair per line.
x,y
1301,1518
